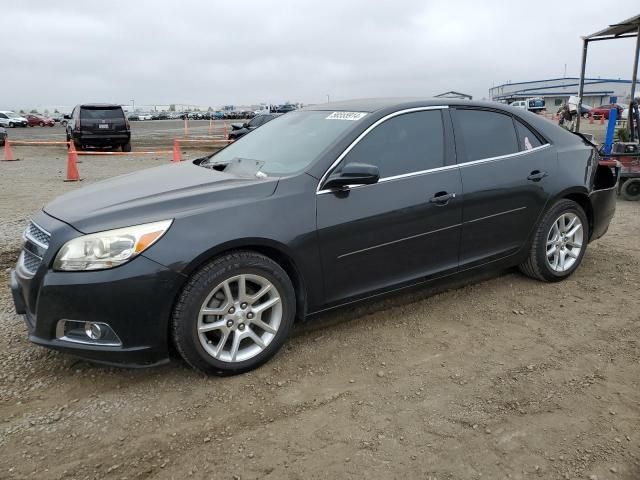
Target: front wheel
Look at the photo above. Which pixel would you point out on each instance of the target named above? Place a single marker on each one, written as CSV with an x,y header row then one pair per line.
x,y
234,314
559,243
126,147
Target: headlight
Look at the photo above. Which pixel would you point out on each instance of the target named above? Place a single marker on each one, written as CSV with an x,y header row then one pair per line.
x,y
109,249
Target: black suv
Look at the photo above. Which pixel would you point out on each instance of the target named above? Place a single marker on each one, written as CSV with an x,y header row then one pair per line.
x,y
99,125
241,129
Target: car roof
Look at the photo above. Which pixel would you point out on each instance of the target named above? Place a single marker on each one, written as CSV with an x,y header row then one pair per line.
x,y
100,105
371,105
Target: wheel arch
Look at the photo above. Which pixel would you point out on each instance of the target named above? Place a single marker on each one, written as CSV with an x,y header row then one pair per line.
x,y
274,250
580,195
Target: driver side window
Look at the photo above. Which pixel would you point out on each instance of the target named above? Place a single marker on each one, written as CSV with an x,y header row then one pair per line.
x,y
408,143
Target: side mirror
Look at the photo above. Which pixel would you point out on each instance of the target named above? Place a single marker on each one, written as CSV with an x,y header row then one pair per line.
x,y
353,174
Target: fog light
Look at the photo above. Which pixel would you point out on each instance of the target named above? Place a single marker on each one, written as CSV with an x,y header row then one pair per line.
x,y
93,330
89,333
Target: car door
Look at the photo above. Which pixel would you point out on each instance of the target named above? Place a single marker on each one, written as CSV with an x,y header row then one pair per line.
x,y
395,231
505,168
4,120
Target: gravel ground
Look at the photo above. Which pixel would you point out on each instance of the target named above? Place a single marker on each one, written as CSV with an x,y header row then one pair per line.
x,y
497,377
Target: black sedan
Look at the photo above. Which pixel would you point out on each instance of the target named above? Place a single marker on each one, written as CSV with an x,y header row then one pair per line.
x,y
241,129
317,209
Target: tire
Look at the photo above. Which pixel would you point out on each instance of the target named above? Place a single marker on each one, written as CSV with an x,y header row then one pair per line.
x,y
630,190
126,147
551,265
12,125
212,352
41,124
64,123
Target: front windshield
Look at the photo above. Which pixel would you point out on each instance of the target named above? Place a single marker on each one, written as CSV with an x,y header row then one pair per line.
x,y
12,115
291,142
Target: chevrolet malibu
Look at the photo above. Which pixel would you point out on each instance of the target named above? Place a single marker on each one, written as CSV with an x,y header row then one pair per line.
x,y
319,208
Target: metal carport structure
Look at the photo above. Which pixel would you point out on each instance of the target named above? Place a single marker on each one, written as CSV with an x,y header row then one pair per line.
x,y
626,29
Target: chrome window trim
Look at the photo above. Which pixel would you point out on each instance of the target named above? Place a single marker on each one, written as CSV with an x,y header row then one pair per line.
x,y
502,157
444,168
421,172
365,133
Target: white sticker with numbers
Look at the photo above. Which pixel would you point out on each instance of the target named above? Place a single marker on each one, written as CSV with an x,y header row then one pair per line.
x,y
353,116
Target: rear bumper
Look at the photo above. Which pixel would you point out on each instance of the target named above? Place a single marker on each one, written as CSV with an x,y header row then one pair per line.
x,y
106,139
603,203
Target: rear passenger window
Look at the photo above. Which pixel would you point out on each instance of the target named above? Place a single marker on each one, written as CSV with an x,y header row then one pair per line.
x,y
486,134
526,138
408,143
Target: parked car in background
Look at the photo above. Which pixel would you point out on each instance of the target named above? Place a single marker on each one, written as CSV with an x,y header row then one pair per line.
x,y
11,119
584,109
285,108
39,120
145,116
3,136
536,104
240,129
317,209
603,111
132,117
99,125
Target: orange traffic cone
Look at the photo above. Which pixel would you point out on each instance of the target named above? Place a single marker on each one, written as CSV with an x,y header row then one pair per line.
x,y
177,156
591,122
72,168
601,119
8,154
186,126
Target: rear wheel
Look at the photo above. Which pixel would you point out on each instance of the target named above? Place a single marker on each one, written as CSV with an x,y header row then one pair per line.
x,y
126,147
41,124
234,314
630,189
559,243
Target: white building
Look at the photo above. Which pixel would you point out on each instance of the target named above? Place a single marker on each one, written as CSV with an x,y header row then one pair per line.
x,y
556,91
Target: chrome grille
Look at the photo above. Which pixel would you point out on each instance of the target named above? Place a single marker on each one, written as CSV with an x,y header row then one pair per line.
x,y
35,246
30,262
37,235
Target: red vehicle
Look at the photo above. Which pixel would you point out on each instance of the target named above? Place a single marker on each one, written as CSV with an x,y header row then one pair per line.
x,y
603,110
33,120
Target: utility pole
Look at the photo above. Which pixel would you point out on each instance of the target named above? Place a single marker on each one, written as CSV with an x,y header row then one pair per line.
x,y
133,105
328,98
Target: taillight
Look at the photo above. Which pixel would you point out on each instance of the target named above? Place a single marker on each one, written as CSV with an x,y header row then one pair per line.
x,y
126,123
78,125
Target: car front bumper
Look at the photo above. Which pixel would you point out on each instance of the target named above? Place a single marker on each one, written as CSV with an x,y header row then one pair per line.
x,y
135,300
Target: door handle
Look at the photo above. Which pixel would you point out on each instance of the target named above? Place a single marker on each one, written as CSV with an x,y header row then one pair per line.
x,y
537,175
442,198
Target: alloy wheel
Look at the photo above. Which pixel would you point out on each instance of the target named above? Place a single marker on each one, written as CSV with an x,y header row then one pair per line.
x,y
564,242
239,318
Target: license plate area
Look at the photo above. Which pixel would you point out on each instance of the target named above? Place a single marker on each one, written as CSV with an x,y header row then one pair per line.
x,y
103,125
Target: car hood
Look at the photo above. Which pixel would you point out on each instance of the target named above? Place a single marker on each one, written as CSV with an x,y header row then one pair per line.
x,y
160,193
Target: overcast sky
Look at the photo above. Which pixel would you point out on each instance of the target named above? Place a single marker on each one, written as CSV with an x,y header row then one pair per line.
x,y
249,51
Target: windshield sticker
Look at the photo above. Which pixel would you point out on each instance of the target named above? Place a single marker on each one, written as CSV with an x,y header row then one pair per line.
x,y
353,116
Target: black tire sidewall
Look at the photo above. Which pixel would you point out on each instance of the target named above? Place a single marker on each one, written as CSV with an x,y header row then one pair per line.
x,y
198,288
624,190
563,206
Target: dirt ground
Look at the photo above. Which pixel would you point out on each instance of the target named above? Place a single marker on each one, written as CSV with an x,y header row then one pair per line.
x,y
494,377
